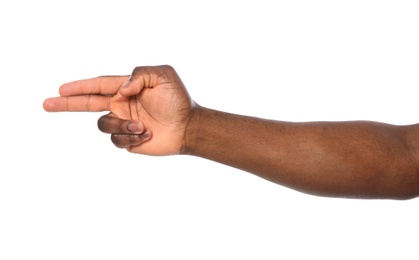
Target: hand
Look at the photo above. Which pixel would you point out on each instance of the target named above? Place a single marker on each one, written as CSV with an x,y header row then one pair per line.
x,y
154,97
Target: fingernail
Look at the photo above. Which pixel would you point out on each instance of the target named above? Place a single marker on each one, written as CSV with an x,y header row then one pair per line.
x,y
136,127
146,134
126,84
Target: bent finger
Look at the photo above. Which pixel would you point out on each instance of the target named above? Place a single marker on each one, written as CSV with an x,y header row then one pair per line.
x,y
147,77
114,125
126,140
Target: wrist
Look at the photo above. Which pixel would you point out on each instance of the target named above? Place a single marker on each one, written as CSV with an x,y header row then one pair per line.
x,y
192,129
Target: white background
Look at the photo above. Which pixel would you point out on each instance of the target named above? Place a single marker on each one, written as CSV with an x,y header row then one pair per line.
x,y
67,193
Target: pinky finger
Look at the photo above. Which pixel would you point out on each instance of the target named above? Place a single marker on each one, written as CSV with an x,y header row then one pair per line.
x,y
128,140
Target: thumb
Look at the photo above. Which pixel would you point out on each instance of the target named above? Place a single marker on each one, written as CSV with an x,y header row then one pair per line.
x,y
141,77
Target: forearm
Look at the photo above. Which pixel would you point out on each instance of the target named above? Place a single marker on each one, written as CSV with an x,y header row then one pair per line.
x,y
339,159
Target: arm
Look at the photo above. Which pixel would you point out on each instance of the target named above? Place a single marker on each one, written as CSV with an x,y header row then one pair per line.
x,y
338,159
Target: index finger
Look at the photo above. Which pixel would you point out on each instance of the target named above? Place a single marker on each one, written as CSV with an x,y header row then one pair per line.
x,y
104,85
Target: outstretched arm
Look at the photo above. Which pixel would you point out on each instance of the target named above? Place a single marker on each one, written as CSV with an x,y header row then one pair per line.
x,y
336,159
356,159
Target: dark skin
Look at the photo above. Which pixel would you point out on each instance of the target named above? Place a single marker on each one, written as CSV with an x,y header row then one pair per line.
x,y
152,113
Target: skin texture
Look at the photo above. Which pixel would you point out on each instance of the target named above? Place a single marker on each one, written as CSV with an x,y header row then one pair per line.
x,y
155,98
152,113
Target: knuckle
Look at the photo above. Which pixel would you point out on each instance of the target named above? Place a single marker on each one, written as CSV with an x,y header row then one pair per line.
x,y
161,72
167,67
167,71
138,71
